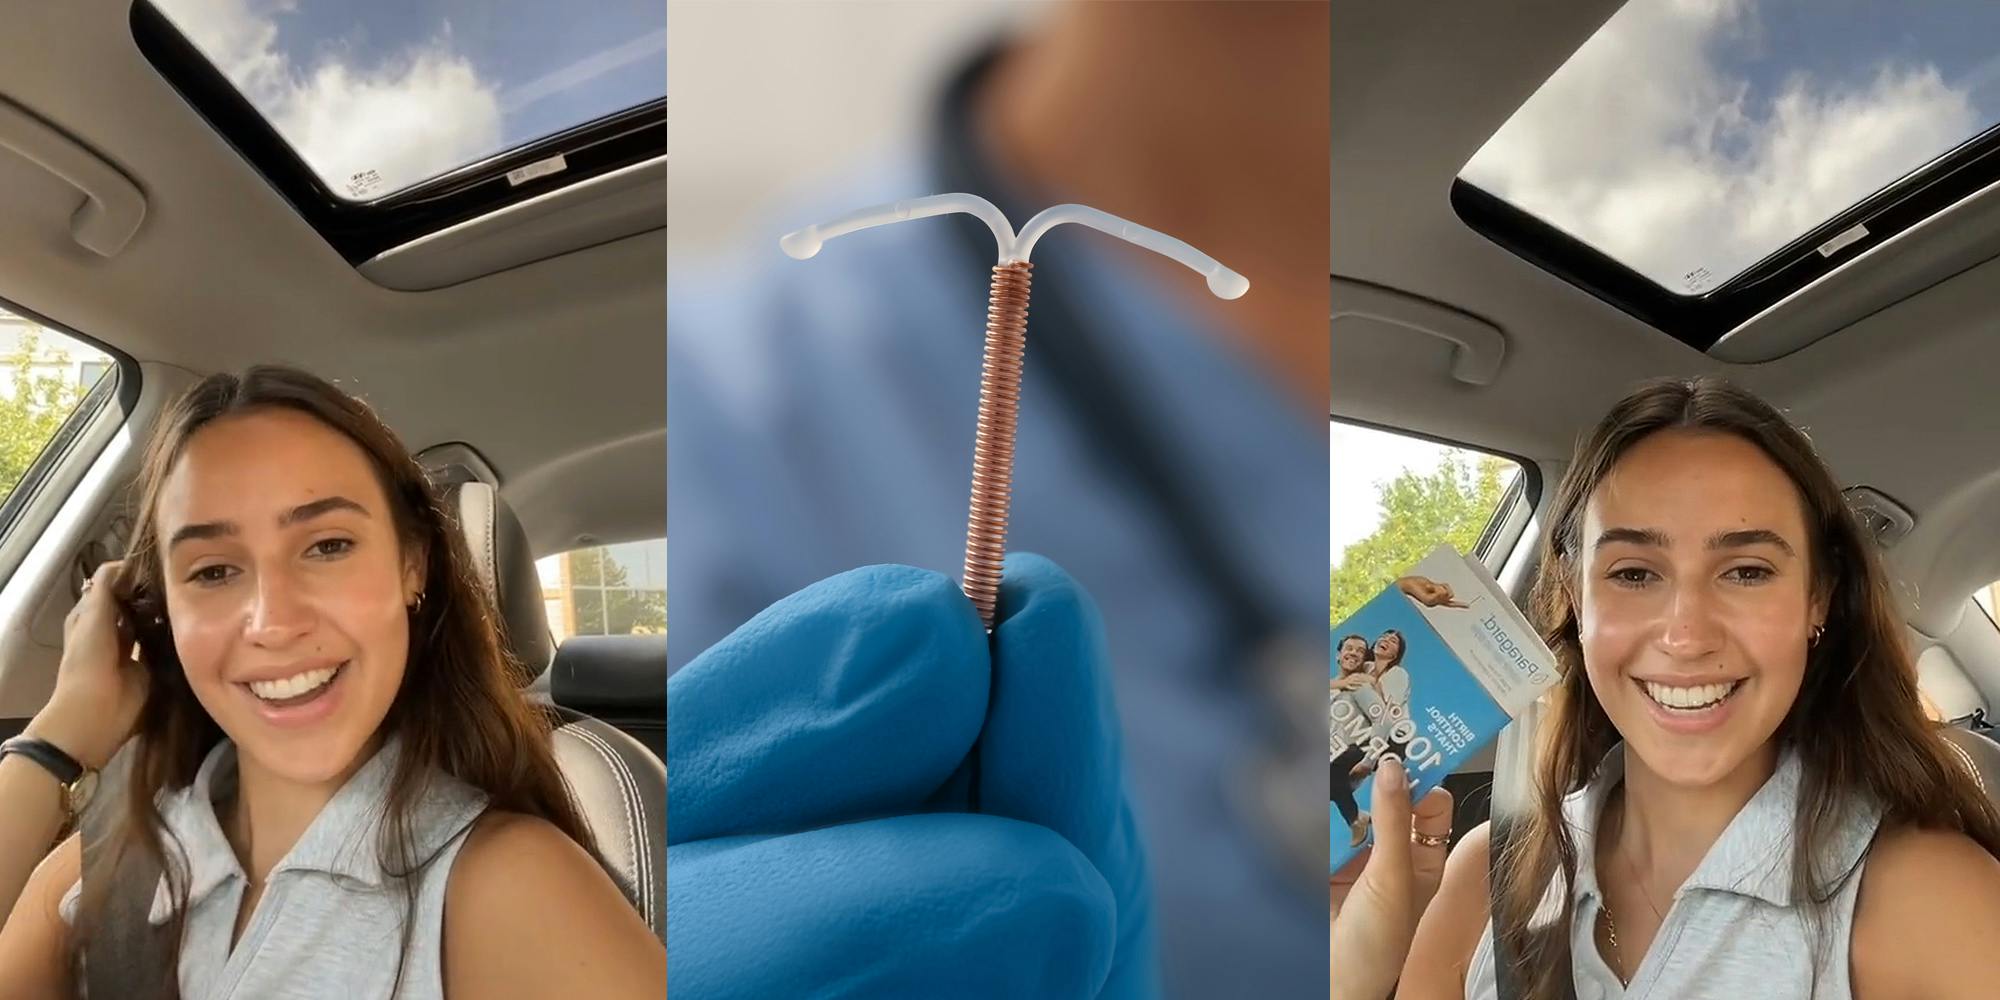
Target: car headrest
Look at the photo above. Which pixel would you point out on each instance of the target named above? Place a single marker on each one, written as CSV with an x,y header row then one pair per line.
x,y
1944,680
505,567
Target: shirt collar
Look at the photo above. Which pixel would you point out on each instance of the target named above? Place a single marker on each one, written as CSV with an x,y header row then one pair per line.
x,y
341,841
1752,857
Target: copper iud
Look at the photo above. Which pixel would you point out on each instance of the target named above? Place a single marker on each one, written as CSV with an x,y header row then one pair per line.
x,y
1006,347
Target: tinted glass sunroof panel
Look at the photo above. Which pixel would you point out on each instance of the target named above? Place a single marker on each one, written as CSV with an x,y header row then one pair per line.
x,y
379,95
1690,139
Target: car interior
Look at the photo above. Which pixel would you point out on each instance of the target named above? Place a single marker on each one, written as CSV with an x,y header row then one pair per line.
x,y
506,317
1460,317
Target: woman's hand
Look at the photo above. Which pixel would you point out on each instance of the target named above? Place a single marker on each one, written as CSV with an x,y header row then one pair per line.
x,y
1428,592
1375,901
99,686
1351,682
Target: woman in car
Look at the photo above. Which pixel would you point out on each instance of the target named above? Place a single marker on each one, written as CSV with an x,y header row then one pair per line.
x,y
1740,794
1345,754
348,794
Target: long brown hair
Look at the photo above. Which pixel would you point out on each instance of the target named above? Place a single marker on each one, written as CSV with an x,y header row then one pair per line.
x,y
1859,682
459,710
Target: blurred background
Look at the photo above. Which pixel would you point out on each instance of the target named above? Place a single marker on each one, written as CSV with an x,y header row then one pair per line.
x,y
805,93
1171,444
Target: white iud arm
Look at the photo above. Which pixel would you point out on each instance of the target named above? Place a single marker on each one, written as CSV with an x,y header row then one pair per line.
x,y
1222,281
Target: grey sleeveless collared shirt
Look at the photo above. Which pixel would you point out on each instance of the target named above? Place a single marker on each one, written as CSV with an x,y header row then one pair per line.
x,y
1732,931
330,921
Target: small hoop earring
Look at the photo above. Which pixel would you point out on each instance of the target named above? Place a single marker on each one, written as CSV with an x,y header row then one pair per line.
x,y
419,605
1817,631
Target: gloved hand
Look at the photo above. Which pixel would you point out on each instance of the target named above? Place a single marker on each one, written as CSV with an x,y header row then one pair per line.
x,y
818,780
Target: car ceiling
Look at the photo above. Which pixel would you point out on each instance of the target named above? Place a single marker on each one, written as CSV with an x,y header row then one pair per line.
x,y
555,371
1901,399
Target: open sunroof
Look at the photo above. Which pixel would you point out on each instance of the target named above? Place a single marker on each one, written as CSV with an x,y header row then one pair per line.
x,y
1694,163
383,120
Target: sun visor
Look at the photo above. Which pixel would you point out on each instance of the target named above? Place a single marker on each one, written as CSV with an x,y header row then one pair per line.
x,y
608,207
1946,244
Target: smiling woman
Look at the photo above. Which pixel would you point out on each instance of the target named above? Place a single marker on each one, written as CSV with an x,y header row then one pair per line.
x,y
1735,678
318,690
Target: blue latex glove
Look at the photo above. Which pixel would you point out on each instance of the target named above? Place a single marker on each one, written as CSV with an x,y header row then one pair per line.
x,y
812,756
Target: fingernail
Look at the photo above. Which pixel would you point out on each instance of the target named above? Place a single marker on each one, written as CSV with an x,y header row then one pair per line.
x,y
1391,774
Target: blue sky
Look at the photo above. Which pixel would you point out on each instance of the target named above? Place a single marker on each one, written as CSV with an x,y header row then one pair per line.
x,y
408,88
1691,137
1834,39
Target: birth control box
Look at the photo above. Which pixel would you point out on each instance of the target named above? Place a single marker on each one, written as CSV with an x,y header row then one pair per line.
x,y
1430,670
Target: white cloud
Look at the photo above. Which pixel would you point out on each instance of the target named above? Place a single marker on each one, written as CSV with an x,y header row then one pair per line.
x,y
366,129
405,122
239,36
1646,147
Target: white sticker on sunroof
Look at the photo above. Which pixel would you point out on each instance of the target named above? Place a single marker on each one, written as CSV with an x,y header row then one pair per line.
x,y
363,183
1689,139
1848,237
540,168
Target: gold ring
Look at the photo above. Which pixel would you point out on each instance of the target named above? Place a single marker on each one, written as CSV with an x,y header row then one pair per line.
x,y
1426,840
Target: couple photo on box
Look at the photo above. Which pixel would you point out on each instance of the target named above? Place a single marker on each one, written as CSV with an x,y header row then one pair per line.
x,y
1368,702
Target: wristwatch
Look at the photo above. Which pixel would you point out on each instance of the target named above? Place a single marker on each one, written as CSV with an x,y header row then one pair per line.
x,y
79,782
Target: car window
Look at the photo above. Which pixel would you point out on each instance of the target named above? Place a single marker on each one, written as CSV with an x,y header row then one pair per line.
x,y
607,590
1395,497
44,377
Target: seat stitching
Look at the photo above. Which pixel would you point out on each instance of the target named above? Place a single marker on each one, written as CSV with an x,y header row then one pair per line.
x,y
1969,764
643,849
636,844
645,844
576,732
490,529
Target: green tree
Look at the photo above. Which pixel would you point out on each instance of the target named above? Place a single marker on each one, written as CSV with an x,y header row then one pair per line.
x,y
1450,504
628,611
30,419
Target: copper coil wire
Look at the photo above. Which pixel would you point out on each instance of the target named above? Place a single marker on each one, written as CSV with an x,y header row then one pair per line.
x,y
993,449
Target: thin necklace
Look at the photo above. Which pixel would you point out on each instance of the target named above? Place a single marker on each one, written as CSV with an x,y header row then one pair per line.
x,y
1611,931
1611,926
